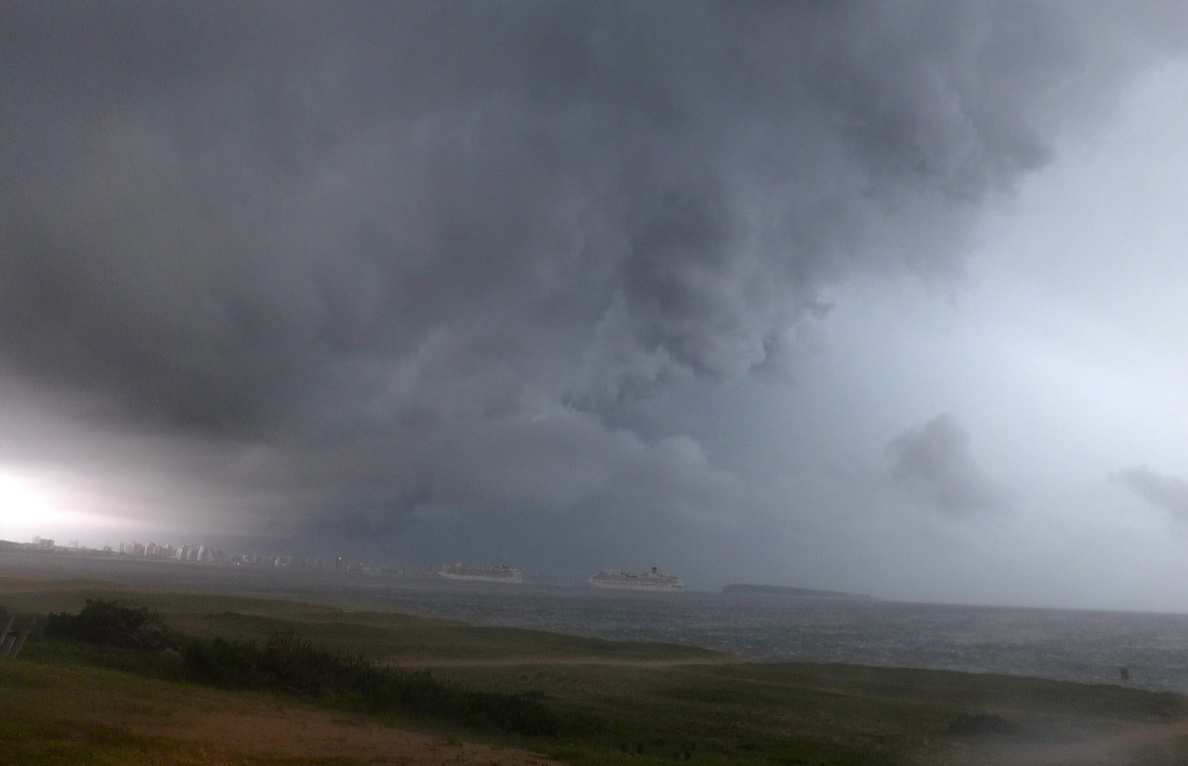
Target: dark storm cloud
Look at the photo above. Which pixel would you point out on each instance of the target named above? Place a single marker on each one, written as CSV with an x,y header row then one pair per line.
x,y
1167,492
369,256
936,457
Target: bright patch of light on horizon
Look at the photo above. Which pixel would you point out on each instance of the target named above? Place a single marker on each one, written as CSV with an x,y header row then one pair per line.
x,y
30,506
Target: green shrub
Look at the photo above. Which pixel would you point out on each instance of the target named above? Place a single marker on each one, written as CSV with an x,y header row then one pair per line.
x,y
295,666
112,623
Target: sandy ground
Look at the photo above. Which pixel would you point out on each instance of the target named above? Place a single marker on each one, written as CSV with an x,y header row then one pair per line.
x,y
310,733
1145,744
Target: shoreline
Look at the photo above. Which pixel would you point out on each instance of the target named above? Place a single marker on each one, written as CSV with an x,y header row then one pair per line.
x,y
1086,647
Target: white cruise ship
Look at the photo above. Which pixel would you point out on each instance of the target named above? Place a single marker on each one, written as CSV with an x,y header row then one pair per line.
x,y
652,580
485,574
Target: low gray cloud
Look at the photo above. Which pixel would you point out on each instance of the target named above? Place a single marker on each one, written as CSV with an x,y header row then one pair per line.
x,y
935,457
1161,490
330,265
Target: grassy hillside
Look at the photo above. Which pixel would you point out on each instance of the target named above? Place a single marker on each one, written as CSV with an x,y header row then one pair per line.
x,y
617,702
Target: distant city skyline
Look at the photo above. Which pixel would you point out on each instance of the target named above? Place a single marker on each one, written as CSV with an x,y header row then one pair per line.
x,y
202,554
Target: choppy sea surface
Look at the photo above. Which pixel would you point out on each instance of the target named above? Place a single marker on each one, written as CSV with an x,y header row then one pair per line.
x,y
1085,646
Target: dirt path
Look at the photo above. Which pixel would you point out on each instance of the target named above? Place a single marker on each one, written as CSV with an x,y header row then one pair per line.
x,y
507,662
294,732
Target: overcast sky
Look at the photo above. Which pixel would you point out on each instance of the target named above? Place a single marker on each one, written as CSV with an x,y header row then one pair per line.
x,y
886,297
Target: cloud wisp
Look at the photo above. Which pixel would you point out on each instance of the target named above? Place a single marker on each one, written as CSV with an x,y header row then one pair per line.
x,y
1160,490
936,458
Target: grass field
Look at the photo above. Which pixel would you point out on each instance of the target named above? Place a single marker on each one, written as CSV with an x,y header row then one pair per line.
x,y
617,702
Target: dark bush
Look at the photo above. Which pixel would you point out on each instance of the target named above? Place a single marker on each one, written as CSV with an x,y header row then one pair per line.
x,y
112,623
298,667
981,724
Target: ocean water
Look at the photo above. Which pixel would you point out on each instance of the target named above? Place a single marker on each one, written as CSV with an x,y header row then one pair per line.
x,y
1083,646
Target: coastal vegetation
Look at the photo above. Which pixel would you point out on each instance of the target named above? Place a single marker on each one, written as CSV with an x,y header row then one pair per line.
x,y
111,622
266,681
292,665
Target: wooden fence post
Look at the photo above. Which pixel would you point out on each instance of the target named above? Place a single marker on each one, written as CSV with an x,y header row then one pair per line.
x,y
16,649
